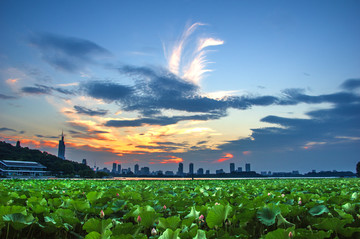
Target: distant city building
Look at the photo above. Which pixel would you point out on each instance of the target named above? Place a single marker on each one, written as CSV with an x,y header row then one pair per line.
x,y
105,170
200,171
124,171
207,171
180,169
158,173
61,151
144,171
295,172
239,169
18,144
220,171
169,173
22,168
114,168
264,173
191,168
247,167
84,161
136,169
232,168
119,169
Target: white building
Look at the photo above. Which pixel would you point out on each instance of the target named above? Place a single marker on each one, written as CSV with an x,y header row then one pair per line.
x,y
22,168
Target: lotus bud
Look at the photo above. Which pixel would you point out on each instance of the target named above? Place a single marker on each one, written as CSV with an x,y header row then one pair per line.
x,y
164,207
291,235
138,219
217,203
269,194
282,195
201,217
63,192
102,214
153,232
117,194
299,202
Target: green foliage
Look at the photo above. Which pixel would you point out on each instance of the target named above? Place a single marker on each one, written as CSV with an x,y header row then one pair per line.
x,y
194,209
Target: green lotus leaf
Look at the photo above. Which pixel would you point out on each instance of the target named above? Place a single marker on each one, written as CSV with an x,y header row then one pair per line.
x,y
281,221
4,210
193,213
18,221
267,215
97,225
349,231
354,196
93,235
200,234
170,234
313,234
170,222
279,233
93,196
124,229
80,205
67,216
334,224
343,214
349,208
217,215
318,210
118,205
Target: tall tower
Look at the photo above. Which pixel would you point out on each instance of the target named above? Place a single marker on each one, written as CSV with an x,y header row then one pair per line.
x,y
136,169
247,167
232,167
180,169
191,168
61,152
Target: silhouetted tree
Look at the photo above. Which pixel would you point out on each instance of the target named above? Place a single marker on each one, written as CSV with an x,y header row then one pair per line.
x,y
358,169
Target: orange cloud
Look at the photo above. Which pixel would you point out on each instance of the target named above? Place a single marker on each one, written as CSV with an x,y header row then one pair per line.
x,y
11,81
167,159
246,152
227,156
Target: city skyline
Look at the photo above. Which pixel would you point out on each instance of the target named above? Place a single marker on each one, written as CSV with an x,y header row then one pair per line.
x,y
157,83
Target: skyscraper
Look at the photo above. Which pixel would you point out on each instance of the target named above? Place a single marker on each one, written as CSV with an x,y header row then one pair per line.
x,y
232,168
119,169
114,168
136,169
247,167
84,161
191,168
180,169
61,152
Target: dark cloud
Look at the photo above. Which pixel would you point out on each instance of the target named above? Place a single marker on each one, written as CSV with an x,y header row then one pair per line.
x,y
3,129
161,120
90,112
107,91
43,89
351,84
48,137
67,53
7,97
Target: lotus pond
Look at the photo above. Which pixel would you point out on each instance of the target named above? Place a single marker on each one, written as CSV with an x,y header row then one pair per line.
x,y
286,208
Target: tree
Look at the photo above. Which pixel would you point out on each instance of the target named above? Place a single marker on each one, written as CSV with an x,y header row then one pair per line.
x,y
358,169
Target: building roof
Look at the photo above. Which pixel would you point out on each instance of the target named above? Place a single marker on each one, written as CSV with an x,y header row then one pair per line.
x,y
23,164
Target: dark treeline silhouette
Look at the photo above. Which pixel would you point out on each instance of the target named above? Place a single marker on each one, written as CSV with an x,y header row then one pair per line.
x,y
56,166
358,169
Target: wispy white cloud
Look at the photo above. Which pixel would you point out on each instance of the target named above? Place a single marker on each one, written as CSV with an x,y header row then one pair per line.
x,y
192,69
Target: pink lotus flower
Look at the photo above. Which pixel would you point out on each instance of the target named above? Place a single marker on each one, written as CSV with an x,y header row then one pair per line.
x,y
282,195
201,217
117,194
153,232
102,214
138,219
291,235
63,191
164,207
217,203
299,202
269,194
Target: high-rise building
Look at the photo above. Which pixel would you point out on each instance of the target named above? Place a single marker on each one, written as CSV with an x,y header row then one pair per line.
x,y
207,171
61,152
114,168
180,169
18,144
191,168
200,171
247,167
84,161
119,169
232,167
136,169
239,169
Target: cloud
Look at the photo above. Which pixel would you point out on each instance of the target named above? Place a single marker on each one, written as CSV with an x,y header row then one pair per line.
x,y
67,53
7,97
225,157
90,112
107,91
167,159
351,84
7,129
44,90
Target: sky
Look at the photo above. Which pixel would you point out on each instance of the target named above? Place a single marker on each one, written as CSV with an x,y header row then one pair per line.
x,y
272,83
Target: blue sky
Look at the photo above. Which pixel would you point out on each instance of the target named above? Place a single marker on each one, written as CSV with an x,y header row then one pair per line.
x,y
271,83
